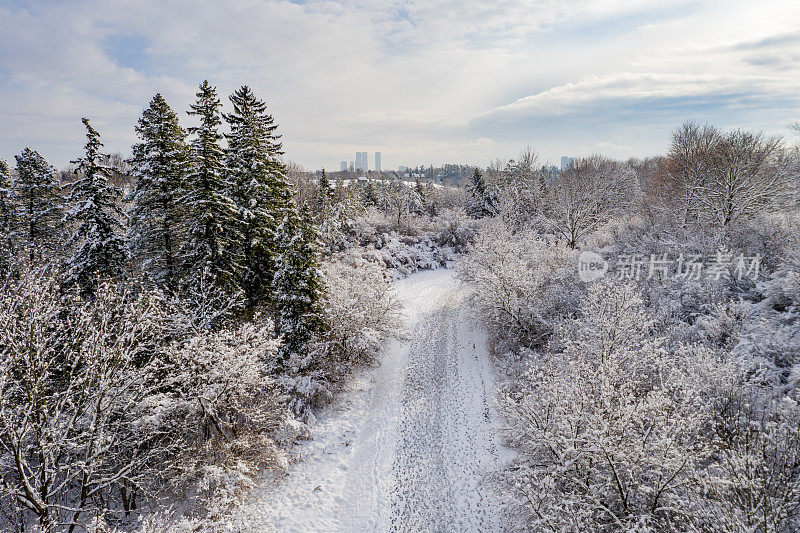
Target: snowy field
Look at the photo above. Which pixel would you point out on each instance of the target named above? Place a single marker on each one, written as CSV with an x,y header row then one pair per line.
x,y
409,445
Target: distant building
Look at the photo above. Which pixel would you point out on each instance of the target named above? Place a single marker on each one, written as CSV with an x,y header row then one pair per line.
x,y
402,168
352,166
343,166
359,165
378,161
364,162
566,162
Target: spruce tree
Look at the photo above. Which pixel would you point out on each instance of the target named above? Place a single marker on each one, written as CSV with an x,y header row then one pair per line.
x,y
97,240
297,282
418,198
7,218
371,196
210,214
260,190
481,201
325,192
430,200
39,210
160,164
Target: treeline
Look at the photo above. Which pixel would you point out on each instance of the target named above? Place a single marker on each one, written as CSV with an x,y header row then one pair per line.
x,y
166,340
198,212
708,178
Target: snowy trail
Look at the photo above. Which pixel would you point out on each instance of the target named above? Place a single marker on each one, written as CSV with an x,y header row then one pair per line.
x,y
408,445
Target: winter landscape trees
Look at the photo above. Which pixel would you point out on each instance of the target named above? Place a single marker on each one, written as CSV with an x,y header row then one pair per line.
x,y
722,178
39,209
157,344
176,341
160,163
97,241
647,399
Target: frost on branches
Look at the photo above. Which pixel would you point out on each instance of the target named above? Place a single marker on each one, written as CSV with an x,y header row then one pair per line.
x,y
98,241
359,315
614,430
106,403
519,282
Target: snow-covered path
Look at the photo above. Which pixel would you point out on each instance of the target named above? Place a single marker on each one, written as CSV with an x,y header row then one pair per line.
x,y
409,444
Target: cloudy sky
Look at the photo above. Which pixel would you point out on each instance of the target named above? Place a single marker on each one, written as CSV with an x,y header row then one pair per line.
x,y
421,81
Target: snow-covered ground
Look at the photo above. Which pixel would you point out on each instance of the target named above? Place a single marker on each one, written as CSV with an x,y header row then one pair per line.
x,y
410,444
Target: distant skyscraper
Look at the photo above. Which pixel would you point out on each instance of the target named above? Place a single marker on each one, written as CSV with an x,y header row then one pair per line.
x,y
359,164
378,161
352,166
343,166
566,162
364,161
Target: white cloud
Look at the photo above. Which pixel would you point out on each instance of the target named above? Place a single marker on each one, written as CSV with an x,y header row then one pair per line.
x,y
408,78
633,87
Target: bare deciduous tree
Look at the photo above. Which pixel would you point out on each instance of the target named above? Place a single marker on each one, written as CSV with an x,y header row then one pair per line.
x,y
588,194
749,175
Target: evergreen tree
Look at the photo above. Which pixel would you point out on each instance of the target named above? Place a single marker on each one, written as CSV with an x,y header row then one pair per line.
x,y
97,241
371,196
430,200
160,164
325,192
7,217
39,211
260,190
481,200
418,198
297,283
209,249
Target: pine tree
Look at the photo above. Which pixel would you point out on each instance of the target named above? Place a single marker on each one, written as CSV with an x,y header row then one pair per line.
x,y
209,249
160,164
97,241
7,217
481,201
297,283
39,210
260,189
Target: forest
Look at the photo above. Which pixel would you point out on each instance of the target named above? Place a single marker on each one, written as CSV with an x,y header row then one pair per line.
x,y
172,323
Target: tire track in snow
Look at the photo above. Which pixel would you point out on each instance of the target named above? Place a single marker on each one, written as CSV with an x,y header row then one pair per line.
x,y
410,445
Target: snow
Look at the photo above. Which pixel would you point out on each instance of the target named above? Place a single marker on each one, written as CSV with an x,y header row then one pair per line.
x,y
411,444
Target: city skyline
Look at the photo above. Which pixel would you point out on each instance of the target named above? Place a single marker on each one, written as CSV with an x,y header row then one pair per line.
x,y
463,83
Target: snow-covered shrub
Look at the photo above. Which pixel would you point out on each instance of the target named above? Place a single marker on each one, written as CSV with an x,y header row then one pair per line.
x,y
337,223
723,325
219,399
204,307
754,482
401,256
612,430
775,238
106,405
520,283
456,230
360,314
71,390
